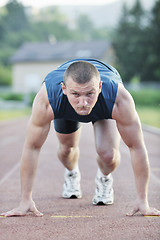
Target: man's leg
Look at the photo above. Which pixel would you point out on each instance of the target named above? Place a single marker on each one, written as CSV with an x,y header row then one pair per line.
x,y
68,154
107,141
68,151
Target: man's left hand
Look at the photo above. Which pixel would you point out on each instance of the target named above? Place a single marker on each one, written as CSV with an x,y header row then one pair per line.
x,y
144,209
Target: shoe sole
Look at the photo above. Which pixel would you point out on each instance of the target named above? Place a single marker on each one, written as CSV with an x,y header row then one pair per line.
x,y
72,196
100,203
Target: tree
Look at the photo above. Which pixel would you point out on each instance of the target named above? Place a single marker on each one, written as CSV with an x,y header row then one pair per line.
x,y
129,42
15,18
84,27
153,59
13,25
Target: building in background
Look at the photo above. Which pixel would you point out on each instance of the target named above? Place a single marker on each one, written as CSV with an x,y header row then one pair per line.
x,y
33,61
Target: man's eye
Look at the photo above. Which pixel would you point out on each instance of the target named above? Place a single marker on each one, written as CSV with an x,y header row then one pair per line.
x,y
90,94
75,94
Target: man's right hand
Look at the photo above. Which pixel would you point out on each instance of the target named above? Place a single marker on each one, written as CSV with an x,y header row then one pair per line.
x,y
24,209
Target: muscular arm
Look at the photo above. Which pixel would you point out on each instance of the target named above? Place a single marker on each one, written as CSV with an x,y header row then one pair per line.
x,y
129,126
37,131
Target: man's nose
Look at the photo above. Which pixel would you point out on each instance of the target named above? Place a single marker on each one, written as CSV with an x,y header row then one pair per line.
x,y
82,101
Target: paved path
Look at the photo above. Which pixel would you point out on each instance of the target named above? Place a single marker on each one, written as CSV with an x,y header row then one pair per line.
x,y
84,220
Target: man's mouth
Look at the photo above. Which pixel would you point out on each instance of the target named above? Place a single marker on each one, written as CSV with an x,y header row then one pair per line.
x,y
83,110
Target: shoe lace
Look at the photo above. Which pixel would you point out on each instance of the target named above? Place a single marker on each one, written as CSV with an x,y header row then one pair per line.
x,y
105,186
72,179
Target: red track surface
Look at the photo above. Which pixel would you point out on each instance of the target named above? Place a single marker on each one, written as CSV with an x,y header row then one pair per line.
x,y
103,222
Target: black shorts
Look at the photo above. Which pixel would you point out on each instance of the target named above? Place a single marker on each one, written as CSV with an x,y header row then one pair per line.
x,y
66,126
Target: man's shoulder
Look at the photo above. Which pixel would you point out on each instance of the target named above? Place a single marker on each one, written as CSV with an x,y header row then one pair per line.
x,y
54,75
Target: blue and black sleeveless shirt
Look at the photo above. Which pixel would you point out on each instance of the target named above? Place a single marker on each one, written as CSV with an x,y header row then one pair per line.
x,y
104,105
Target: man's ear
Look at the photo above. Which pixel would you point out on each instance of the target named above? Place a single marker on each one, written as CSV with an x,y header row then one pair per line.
x,y
100,86
64,88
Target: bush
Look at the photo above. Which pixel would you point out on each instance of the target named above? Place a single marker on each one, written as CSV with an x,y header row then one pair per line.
x,y
12,96
18,97
32,96
5,76
146,97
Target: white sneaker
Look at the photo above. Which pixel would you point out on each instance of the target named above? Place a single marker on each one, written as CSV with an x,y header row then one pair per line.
x,y
71,187
104,194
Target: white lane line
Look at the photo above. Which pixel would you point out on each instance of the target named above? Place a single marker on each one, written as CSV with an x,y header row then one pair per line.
x,y
9,174
123,150
151,129
155,178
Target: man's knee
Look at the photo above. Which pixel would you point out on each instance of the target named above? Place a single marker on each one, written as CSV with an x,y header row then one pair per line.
x,y
109,157
67,150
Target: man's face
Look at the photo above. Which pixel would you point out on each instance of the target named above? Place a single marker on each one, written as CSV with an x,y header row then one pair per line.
x,y
82,97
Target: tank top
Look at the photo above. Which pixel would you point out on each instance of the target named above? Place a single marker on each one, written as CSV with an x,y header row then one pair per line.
x,y
106,99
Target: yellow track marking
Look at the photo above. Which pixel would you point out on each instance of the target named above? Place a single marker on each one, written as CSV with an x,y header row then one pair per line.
x,y
152,216
71,216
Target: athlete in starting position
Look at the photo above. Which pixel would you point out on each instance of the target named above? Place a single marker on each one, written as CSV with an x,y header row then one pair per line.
x,y
85,90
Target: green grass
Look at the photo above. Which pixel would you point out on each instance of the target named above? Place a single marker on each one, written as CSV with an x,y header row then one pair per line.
x,y
146,97
149,115
148,105
6,115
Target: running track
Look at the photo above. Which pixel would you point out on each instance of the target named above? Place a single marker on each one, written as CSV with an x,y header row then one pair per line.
x,y
86,221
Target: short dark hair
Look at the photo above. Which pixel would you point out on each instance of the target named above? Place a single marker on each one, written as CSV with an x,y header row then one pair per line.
x,y
81,72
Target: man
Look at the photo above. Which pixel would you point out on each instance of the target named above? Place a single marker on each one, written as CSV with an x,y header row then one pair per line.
x,y
85,90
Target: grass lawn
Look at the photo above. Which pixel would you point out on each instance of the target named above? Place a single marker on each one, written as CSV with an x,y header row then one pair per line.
x,y
6,115
149,115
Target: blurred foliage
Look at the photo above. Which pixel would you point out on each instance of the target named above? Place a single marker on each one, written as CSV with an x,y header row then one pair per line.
x,y
5,76
149,115
18,26
147,105
31,98
10,114
10,96
142,97
136,38
136,43
146,97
